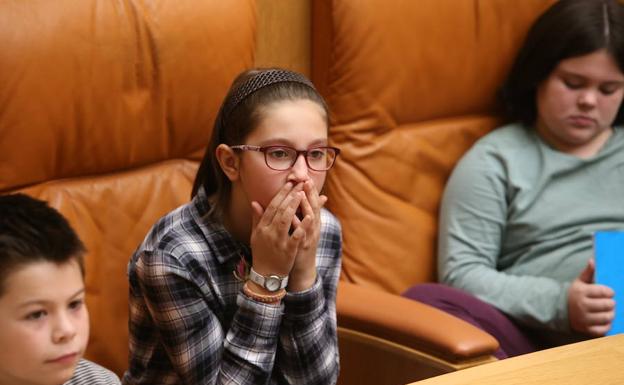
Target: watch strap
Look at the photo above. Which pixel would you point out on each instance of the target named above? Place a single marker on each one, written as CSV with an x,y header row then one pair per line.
x,y
263,280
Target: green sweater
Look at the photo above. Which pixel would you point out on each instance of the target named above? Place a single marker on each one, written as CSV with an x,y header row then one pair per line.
x,y
517,220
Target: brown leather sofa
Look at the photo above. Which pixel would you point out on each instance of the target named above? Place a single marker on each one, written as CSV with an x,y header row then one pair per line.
x,y
106,107
411,85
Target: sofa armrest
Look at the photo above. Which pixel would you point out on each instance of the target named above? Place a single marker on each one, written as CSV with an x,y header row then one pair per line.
x,y
411,323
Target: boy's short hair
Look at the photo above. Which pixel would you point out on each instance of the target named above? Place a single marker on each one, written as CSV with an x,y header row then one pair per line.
x,y
31,231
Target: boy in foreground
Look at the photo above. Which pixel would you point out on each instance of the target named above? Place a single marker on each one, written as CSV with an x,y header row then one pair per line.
x,y
44,323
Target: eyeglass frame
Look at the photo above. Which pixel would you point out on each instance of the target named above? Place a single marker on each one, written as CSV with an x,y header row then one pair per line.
x,y
263,149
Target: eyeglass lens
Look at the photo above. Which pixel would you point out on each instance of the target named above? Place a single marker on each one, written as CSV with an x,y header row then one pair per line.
x,y
282,158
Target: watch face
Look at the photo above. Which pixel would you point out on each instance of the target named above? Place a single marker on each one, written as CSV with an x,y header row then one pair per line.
x,y
272,283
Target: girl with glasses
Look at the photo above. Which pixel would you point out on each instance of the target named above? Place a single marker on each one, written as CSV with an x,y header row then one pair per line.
x,y
520,208
239,285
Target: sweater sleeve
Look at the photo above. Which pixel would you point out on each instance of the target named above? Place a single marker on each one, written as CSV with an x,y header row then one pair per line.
x,y
473,216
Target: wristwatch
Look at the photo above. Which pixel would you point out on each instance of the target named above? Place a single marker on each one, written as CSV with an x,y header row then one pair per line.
x,y
270,282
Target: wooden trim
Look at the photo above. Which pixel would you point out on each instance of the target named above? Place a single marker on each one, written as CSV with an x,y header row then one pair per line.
x,y
283,35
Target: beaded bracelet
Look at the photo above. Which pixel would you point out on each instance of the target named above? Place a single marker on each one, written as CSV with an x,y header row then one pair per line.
x,y
268,299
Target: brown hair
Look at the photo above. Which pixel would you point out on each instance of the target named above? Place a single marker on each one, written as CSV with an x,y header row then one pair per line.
x,y
240,114
569,28
30,232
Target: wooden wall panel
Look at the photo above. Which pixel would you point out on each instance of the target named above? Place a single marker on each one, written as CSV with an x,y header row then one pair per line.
x,y
283,36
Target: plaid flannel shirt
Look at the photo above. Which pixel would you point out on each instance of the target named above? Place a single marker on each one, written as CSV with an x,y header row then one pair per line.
x,y
190,323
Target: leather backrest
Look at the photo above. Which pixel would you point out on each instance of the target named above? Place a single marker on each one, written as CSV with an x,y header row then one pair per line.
x,y
105,109
411,85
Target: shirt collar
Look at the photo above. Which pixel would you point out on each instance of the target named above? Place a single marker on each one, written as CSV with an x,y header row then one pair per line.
x,y
226,247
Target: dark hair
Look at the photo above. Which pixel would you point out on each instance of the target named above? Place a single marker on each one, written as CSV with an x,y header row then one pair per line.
x,y
569,28
31,231
239,115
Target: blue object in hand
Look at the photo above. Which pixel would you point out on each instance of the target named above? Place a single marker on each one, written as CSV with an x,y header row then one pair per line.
x,y
609,256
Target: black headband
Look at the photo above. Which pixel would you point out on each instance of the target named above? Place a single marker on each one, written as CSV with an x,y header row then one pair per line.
x,y
262,79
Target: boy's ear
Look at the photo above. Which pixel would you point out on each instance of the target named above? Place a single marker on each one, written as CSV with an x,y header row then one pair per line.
x,y
228,161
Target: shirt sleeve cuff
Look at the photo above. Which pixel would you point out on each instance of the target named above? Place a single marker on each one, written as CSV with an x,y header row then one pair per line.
x,y
305,304
258,318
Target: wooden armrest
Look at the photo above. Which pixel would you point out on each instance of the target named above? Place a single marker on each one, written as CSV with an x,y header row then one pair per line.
x,y
411,323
